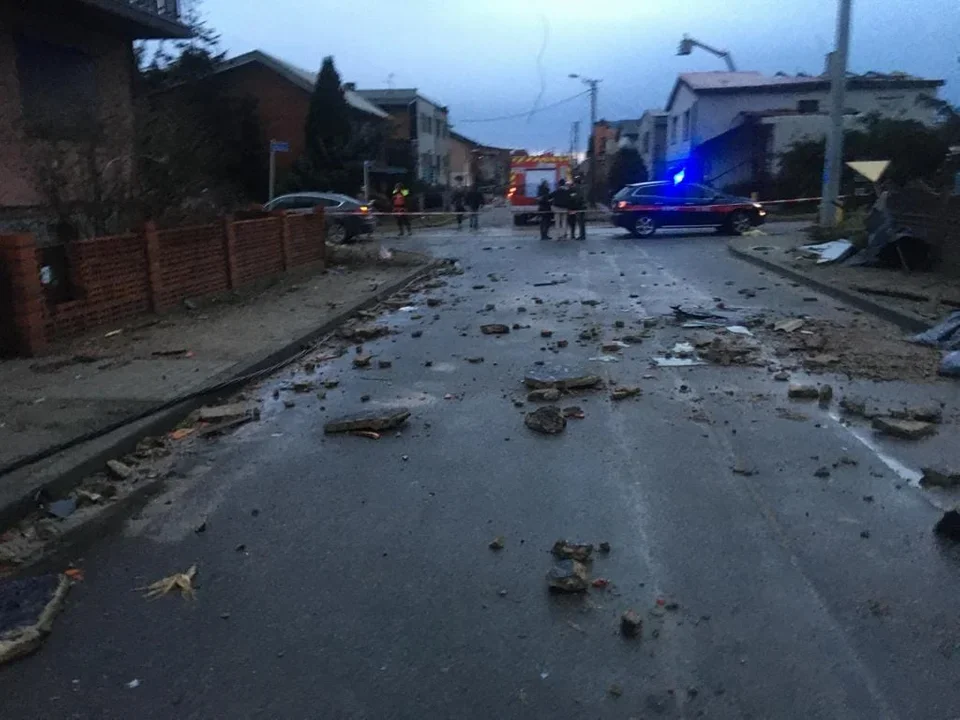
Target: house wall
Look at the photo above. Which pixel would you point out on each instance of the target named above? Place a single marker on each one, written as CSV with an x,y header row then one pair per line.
x,y
433,143
652,143
282,109
460,161
22,151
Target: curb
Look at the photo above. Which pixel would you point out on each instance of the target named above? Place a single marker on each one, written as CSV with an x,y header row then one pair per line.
x,y
59,474
906,321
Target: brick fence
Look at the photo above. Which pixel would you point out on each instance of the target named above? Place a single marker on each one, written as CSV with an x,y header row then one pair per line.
x,y
107,280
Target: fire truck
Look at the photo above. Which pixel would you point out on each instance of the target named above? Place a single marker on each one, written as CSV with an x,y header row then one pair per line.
x,y
526,174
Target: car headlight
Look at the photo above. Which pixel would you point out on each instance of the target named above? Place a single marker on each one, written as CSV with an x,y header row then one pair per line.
x,y
758,206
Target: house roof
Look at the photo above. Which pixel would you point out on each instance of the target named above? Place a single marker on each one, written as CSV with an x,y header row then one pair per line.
x,y
704,83
300,77
144,20
396,96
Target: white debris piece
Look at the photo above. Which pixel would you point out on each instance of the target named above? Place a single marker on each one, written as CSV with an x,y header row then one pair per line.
x,y
829,252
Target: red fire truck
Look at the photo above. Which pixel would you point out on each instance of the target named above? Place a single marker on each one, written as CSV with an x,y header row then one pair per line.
x,y
526,174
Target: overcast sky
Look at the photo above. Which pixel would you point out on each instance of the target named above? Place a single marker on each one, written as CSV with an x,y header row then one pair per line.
x,y
480,57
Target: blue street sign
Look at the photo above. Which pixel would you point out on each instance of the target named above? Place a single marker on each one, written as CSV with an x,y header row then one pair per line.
x,y
279,146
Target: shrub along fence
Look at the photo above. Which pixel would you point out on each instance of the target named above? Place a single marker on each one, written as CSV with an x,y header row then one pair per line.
x,y
53,293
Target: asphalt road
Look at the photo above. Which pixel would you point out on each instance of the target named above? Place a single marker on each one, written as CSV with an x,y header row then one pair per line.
x,y
341,577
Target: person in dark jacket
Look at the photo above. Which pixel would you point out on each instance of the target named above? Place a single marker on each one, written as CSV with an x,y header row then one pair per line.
x,y
577,218
545,209
561,199
474,201
459,203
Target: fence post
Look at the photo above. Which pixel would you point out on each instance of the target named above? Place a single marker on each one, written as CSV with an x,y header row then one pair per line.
x,y
320,218
154,278
285,250
26,313
230,250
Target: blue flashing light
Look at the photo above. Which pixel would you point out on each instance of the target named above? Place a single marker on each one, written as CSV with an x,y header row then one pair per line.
x,y
678,177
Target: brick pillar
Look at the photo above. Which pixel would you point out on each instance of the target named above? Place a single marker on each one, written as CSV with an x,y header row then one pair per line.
x,y
285,249
154,279
319,219
229,250
24,318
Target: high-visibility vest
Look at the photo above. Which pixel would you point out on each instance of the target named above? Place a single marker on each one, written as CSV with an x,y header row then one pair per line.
x,y
400,200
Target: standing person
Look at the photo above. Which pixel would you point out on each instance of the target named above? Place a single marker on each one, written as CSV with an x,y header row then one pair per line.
x,y
561,201
544,209
474,203
400,194
578,211
459,206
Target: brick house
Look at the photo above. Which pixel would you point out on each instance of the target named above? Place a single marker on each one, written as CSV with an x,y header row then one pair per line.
x,y
282,93
66,75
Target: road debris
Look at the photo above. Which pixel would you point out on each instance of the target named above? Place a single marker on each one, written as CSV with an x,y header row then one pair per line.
x,y
119,470
62,509
789,326
494,329
615,690
936,477
543,395
822,472
568,576
622,393
133,684
362,361
798,391
561,378
852,405
788,414
604,547
232,410
548,420
743,467
575,551
416,333
374,421
364,332
948,525
574,412
924,413
28,607
825,395
904,429
368,434
614,346
546,333
631,625
600,583
497,543
178,581
384,364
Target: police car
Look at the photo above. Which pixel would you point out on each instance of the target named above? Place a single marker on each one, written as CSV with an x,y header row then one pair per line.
x,y
642,208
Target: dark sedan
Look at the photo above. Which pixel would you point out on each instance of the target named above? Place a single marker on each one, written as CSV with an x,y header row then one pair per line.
x,y
347,217
643,207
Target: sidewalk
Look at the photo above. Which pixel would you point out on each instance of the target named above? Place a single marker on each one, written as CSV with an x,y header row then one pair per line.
x,y
866,288
89,383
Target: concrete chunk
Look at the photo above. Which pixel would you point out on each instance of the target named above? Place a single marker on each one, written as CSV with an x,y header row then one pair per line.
x,y
375,421
904,429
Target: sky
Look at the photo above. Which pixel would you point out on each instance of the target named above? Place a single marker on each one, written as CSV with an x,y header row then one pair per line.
x,y
487,59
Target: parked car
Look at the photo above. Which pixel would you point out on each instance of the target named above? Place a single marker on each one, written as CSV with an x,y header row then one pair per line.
x,y
641,208
346,217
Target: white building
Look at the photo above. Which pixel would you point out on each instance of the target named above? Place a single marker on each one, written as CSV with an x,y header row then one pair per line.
x,y
731,128
424,124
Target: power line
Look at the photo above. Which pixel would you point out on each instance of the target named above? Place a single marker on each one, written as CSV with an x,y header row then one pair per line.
x,y
528,112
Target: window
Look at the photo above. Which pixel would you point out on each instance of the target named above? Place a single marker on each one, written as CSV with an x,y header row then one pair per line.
x,y
58,89
439,132
427,125
686,125
674,121
808,106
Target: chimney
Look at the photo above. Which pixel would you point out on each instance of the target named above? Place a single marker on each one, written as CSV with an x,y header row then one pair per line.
x,y
350,86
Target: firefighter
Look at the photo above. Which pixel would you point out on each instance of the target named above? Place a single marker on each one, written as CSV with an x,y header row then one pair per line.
x,y
400,194
544,209
474,201
561,201
578,211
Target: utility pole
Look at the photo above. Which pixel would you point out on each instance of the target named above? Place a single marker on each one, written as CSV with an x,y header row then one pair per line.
x,y
592,84
574,137
833,159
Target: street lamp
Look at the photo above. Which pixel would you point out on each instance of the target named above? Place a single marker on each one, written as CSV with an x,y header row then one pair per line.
x,y
592,84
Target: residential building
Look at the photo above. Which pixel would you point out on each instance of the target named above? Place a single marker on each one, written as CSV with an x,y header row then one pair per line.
x,y
652,142
485,165
420,133
282,93
66,99
730,128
